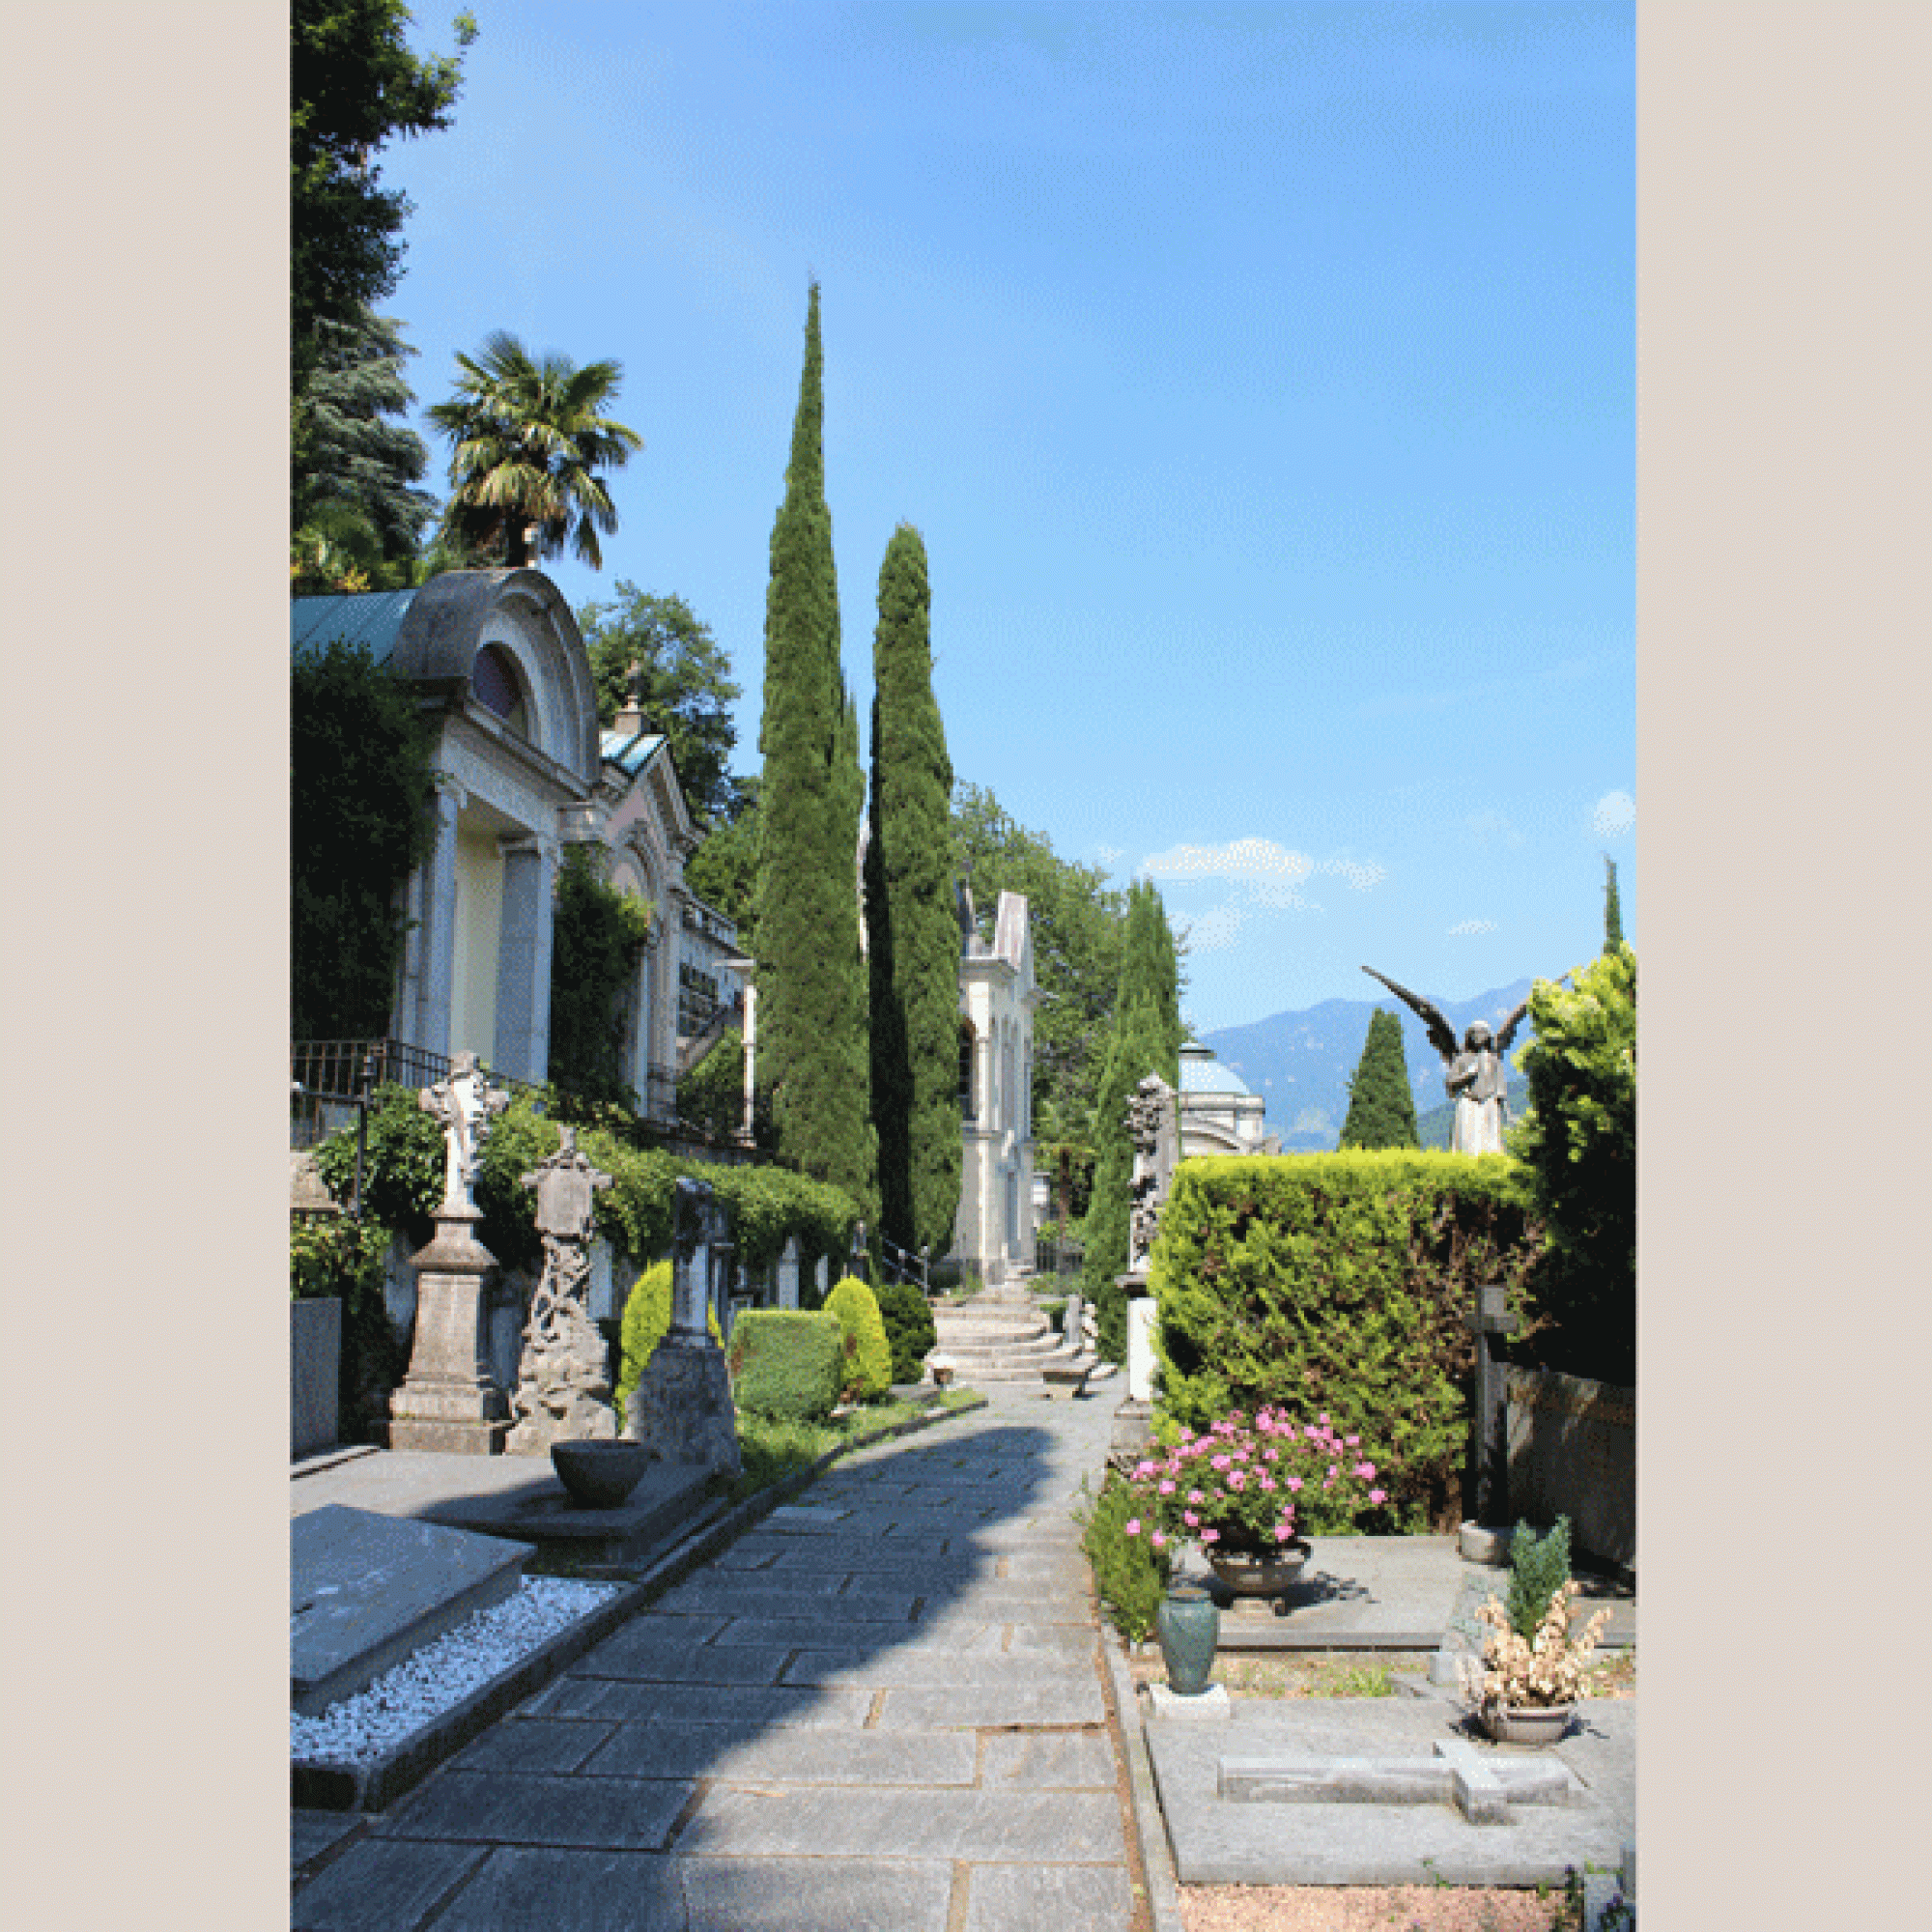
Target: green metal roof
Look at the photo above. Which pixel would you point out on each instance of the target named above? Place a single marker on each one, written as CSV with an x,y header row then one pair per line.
x,y
371,618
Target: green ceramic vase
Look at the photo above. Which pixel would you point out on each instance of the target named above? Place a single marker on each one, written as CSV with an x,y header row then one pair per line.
x,y
1187,1625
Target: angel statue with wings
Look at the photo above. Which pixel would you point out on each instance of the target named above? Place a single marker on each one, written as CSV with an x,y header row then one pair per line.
x,y
1476,1072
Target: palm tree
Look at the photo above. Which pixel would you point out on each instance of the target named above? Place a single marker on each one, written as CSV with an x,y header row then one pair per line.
x,y
527,442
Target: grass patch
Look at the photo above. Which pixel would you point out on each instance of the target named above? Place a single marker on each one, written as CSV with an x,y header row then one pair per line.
x,y
774,1450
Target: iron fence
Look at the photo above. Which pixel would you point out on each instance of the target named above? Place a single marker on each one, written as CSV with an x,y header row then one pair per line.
x,y
1055,1257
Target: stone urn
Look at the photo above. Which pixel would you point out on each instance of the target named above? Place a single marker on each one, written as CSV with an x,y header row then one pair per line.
x,y
600,1475
1526,1723
1260,1573
1188,1625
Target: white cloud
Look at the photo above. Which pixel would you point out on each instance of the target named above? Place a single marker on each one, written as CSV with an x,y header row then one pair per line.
x,y
1268,874
1614,814
1109,854
1487,826
1213,931
1471,927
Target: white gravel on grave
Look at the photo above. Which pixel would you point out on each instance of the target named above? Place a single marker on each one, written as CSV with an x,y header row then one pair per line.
x,y
437,1677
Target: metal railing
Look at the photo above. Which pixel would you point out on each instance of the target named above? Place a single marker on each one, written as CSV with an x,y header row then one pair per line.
x,y
1051,1256
897,1264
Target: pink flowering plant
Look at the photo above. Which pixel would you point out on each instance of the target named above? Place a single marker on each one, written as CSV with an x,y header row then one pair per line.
x,y
1254,1485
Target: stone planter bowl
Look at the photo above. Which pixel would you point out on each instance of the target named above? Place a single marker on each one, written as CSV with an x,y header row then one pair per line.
x,y
600,1475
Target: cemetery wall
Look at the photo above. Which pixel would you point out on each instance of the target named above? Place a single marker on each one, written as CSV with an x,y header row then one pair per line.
x,y
1572,1451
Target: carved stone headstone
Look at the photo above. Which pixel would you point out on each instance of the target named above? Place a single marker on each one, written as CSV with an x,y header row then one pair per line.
x,y
450,1403
563,1383
1151,1121
682,1407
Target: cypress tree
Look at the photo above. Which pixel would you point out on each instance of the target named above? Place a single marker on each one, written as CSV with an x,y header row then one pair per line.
x,y
1381,1103
1147,1039
1613,918
912,930
812,1018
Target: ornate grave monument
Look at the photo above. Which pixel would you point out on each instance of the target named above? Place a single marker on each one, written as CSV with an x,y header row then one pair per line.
x,y
449,1403
1152,1120
563,1383
682,1406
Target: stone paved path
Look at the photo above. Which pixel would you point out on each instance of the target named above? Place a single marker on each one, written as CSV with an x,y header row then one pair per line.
x,y
882,1708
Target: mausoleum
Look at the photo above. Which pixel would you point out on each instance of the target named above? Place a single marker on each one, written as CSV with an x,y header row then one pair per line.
x,y
1219,1112
993,1236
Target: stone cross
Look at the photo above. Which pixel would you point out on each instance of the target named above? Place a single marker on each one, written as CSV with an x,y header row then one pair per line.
x,y
464,1105
563,1384
691,1271
1490,1319
1482,1787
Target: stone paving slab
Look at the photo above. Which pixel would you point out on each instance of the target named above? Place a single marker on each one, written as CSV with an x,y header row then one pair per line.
x,y
754,1754
1068,1898
646,1654
1048,1761
536,1745
626,1702
940,1666
311,1833
1218,1841
514,1809
1011,1602
382,1883
1070,1701
566,1892
863,1603
1005,1826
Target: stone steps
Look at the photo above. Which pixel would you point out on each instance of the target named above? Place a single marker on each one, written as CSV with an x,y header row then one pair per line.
x,y
1000,1336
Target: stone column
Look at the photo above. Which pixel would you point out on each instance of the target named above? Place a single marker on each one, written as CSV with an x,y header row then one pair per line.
x,y
450,1403
430,962
523,959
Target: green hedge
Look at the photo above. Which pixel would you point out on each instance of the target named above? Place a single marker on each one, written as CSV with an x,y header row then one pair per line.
x,y
786,1363
868,1355
340,1257
1337,1284
910,1331
402,1185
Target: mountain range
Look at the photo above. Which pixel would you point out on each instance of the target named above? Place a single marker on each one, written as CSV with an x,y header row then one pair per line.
x,y
1301,1062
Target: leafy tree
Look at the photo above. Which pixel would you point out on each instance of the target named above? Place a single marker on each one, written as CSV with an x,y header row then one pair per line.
x,y
723,871
356,492
1381,1103
528,437
353,85
360,822
913,930
598,936
1144,1041
1578,1143
684,685
813,1040
1079,922
1613,919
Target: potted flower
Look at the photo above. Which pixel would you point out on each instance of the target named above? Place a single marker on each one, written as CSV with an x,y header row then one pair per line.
x,y
1250,1493
1528,1686
942,1368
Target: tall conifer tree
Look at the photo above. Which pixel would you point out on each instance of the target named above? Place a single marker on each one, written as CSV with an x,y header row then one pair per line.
x,y
1147,1039
912,925
1381,1103
1613,918
811,999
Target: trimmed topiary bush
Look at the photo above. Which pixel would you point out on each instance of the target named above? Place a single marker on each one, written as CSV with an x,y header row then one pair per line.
x,y
868,1355
1539,1567
786,1363
646,1322
910,1333
1335,1285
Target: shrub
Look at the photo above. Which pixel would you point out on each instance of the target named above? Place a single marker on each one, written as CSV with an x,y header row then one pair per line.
x,y
343,1259
787,1364
646,1322
868,1355
1578,1144
1339,1284
1129,1576
1538,1569
910,1333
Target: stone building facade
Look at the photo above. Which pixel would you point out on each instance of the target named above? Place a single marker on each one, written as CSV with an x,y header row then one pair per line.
x,y
993,1235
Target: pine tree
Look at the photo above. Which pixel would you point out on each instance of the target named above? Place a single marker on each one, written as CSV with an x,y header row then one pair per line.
x,y
911,928
1147,1039
1381,1103
1613,918
811,994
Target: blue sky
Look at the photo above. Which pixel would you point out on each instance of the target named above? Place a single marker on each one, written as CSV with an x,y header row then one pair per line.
x,y
1261,380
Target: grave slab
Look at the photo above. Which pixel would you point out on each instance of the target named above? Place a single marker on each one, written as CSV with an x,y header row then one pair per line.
x,y
366,1590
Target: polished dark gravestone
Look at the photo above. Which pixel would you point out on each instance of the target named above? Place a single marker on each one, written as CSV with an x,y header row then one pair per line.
x,y
367,1590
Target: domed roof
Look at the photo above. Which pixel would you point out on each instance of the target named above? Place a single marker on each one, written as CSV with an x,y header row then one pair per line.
x,y
1202,1073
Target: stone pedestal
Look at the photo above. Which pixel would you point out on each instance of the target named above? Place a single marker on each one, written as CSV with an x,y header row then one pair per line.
x,y
682,1407
449,1403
